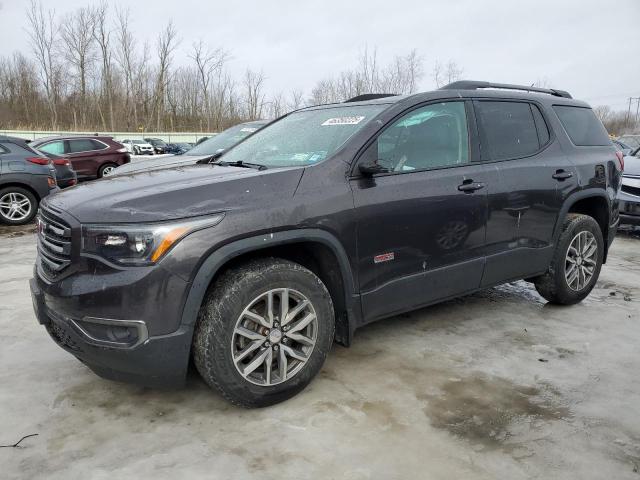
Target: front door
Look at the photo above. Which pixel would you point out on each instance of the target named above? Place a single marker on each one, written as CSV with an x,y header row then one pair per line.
x,y
421,224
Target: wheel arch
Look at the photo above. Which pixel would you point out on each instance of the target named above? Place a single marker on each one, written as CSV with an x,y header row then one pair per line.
x,y
26,186
588,202
315,249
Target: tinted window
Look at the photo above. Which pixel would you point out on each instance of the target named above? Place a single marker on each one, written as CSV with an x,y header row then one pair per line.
x,y
57,148
84,145
428,137
509,130
541,126
582,126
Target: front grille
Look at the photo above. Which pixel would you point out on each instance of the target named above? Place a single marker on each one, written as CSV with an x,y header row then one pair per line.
x,y
54,243
631,190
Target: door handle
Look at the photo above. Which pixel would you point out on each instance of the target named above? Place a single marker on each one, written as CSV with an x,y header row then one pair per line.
x,y
469,186
561,175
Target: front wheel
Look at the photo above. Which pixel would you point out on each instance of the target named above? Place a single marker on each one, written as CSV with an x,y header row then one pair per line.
x,y
576,262
263,332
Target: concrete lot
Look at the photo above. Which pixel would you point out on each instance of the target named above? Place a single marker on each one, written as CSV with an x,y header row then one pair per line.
x,y
493,385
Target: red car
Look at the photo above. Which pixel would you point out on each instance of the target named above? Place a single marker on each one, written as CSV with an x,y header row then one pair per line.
x,y
91,156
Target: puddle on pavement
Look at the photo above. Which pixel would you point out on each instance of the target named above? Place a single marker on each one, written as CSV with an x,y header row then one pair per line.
x,y
485,410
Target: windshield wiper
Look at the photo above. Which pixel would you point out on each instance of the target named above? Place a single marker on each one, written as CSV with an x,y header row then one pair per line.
x,y
241,163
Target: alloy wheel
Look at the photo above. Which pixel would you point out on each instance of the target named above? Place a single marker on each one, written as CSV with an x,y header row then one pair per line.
x,y
581,260
274,337
15,206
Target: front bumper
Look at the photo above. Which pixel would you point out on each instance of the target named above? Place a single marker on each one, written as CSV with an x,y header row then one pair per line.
x,y
154,361
629,209
124,324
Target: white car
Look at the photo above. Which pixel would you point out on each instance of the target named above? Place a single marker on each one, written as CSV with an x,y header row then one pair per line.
x,y
138,147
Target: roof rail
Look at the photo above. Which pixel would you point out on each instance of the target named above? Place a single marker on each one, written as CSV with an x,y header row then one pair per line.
x,y
474,85
370,96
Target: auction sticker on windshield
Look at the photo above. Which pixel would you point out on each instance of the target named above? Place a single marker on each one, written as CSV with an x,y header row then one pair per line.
x,y
343,121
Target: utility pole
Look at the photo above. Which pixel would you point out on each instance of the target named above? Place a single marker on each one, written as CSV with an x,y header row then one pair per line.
x,y
633,100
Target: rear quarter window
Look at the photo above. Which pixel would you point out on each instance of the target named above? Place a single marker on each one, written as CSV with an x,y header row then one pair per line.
x,y
582,126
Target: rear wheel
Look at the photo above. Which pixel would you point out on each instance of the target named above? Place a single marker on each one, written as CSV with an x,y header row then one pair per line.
x,y
263,332
17,206
106,169
576,262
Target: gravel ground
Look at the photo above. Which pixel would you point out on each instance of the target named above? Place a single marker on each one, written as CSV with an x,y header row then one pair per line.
x,y
492,385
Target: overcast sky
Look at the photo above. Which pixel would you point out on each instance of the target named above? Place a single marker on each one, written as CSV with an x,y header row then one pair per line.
x,y
590,48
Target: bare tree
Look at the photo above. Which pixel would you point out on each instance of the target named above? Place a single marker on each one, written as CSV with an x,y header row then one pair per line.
x,y
444,74
296,100
78,49
43,35
166,44
102,36
207,63
254,96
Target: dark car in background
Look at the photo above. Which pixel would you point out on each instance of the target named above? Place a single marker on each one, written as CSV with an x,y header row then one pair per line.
x,y
159,145
66,176
26,177
91,156
178,148
329,218
203,152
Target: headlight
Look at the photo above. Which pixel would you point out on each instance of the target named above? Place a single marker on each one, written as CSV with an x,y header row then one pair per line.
x,y
140,244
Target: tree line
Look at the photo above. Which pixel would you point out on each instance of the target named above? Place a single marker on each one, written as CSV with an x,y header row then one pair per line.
x,y
86,71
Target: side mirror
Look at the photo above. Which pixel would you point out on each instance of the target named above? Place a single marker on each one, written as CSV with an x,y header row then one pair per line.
x,y
371,168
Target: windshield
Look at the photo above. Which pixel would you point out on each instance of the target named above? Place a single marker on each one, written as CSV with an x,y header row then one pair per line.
x,y
224,140
633,142
303,138
138,142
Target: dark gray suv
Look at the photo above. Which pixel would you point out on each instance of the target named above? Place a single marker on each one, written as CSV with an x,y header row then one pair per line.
x,y
26,177
327,219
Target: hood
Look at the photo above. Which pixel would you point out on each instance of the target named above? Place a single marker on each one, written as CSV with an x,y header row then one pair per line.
x,y
175,193
155,163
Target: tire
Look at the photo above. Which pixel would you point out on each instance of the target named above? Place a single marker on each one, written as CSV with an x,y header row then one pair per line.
x,y
105,168
216,339
555,285
10,198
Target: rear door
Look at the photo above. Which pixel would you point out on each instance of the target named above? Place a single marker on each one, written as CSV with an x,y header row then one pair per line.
x,y
84,154
528,167
421,226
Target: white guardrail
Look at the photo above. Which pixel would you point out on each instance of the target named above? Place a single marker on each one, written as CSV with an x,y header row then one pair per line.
x,y
169,137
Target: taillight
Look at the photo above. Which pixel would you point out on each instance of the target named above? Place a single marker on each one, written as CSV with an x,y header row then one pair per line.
x,y
62,162
51,181
38,160
620,156
122,150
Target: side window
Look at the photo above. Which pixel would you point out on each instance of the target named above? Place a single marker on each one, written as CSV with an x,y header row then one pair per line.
x,y
508,129
81,145
582,126
57,148
541,126
428,137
